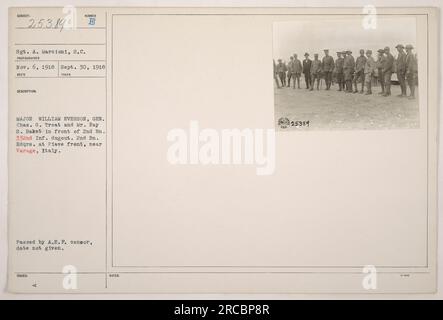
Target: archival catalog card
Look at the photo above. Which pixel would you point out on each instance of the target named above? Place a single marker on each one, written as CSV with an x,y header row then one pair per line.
x,y
216,150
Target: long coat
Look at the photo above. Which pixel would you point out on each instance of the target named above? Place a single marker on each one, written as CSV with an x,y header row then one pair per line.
x,y
307,66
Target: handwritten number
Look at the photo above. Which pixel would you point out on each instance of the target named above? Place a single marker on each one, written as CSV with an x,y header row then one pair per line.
x,y
46,24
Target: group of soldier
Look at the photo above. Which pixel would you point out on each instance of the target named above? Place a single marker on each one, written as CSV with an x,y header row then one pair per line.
x,y
349,72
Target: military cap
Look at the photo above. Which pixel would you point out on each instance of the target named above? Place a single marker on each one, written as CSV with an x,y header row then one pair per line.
x,y
348,51
380,51
368,51
400,46
386,48
362,50
316,54
409,46
306,54
325,49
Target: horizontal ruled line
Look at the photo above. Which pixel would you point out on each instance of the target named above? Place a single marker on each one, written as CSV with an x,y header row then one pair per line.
x,y
59,44
60,77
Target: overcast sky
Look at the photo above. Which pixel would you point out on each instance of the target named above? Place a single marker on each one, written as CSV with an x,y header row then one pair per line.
x,y
339,34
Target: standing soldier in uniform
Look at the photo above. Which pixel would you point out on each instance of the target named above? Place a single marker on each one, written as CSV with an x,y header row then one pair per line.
x,y
380,62
290,70
281,70
344,55
387,71
411,70
338,69
275,74
369,70
307,70
360,71
401,69
348,69
315,72
327,68
297,71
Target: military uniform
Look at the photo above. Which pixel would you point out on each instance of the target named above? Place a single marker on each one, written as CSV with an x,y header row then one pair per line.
x,y
297,70
369,70
307,71
327,68
388,67
411,70
315,73
281,71
348,71
359,73
275,74
338,69
380,63
290,68
401,70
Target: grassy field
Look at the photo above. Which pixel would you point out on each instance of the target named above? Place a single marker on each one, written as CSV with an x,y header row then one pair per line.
x,y
333,109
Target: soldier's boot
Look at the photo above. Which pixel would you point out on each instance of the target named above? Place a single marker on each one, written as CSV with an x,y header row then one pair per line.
x,y
382,88
412,96
402,94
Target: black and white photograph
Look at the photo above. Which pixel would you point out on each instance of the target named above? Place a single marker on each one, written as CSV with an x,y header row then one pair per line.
x,y
149,154
346,73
